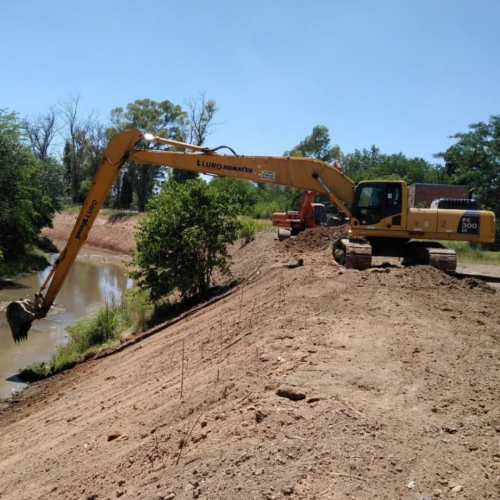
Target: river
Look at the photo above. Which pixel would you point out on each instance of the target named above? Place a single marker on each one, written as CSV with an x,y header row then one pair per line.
x,y
95,277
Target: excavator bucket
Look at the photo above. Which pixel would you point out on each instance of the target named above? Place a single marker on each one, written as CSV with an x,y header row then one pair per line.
x,y
283,234
20,314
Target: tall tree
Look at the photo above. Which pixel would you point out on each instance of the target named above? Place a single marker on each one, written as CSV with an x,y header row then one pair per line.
x,y
96,140
317,145
76,130
31,191
200,116
10,124
126,193
40,132
474,160
159,118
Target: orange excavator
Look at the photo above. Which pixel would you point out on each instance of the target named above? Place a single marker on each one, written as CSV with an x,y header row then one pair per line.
x,y
292,222
381,221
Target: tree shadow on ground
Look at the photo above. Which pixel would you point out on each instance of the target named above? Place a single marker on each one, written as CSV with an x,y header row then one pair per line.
x,y
119,216
169,311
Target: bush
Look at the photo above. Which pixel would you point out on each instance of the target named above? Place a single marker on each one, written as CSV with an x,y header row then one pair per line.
x,y
183,239
140,308
86,336
100,329
248,228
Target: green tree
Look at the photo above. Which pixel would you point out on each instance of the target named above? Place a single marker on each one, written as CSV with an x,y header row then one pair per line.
x,y
32,190
17,228
49,190
201,113
317,145
183,239
474,161
159,118
126,193
244,192
10,124
76,131
372,164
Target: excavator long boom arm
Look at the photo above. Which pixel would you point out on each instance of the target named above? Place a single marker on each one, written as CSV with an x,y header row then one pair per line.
x,y
303,173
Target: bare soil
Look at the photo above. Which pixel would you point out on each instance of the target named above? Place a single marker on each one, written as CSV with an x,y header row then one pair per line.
x,y
113,232
316,239
305,381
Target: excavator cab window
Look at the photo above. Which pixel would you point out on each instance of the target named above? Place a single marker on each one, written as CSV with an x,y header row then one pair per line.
x,y
375,201
319,215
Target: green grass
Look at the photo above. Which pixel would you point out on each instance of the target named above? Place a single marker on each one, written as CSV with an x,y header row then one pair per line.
x,y
467,252
140,308
87,337
91,335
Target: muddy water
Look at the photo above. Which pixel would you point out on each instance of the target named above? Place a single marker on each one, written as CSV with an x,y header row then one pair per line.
x,y
94,278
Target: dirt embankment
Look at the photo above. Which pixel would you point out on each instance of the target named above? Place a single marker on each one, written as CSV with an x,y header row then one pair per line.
x,y
304,382
113,232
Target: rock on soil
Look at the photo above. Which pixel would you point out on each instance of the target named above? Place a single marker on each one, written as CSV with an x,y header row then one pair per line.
x,y
290,393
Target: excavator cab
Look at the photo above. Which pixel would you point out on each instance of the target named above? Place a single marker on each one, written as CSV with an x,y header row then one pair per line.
x,y
378,201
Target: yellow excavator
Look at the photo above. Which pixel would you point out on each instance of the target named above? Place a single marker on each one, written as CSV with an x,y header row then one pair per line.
x,y
381,221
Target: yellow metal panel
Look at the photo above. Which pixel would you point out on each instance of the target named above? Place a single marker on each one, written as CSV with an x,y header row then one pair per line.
x,y
293,172
448,221
488,227
422,220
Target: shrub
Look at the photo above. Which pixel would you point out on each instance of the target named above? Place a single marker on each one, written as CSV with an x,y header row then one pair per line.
x,y
140,308
86,336
183,239
108,322
248,228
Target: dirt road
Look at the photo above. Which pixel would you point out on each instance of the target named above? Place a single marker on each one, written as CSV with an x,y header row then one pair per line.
x,y
394,376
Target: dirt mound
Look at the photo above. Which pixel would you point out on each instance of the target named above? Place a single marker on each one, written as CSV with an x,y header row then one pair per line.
x,y
305,382
315,238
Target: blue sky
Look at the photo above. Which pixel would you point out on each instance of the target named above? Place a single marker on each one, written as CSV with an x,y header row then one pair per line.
x,y
400,74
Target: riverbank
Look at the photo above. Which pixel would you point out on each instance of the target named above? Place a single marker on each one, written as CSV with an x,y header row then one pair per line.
x,y
96,277
112,230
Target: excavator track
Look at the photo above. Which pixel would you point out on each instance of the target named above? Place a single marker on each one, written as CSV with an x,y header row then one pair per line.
x,y
353,254
431,254
357,254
